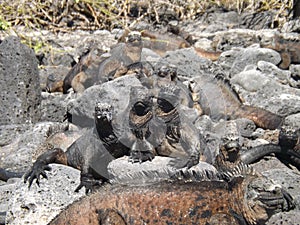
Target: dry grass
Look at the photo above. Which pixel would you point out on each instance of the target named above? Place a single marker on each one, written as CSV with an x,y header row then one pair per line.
x,y
107,14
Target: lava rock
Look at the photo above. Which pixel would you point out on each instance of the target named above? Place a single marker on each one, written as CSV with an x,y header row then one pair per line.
x,y
19,154
260,90
294,78
286,218
40,204
246,56
19,82
54,107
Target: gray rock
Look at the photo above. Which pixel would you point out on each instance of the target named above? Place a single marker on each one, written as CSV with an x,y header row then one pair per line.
x,y
8,133
60,58
251,80
286,218
294,76
40,204
149,56
292,120
19,82
54,107
258,89
273,71
187,61
6,192
19,154
204,43
115,92
247,56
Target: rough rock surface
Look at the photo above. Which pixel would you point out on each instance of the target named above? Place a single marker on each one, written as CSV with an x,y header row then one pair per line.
x,y
243,57
26,146
40,204
19,83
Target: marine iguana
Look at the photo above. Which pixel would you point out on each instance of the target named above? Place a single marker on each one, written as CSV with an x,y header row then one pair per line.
x,y
140,115
288,49
218,99
182,139
83,74
91,153
96,67
247,198
287,149
167,75
123,54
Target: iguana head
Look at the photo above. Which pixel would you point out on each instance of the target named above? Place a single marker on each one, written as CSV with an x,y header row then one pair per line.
x,y
230,143
140,104
168,71
167,102
103,112
259,197
289,137
134,38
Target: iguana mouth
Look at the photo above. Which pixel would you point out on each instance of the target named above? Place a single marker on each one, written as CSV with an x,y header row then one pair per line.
x,y
138,121
140,108
134,38
232,147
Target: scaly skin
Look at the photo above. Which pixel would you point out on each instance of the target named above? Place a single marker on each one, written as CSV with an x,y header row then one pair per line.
x,y
287,149
194,202
83,74
91,153
95,68
182,140
217,99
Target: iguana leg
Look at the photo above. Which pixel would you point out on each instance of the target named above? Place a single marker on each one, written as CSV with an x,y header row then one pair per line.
x,y
41,165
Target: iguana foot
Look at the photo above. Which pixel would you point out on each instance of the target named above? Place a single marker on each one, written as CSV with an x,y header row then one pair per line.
x,y
89,182
38,169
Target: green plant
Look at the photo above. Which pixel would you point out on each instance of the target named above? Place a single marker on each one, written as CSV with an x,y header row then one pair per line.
x,y
4,25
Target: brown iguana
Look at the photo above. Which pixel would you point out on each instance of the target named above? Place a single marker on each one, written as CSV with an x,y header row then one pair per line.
x,y
95,67
217,98
245,199
288,50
